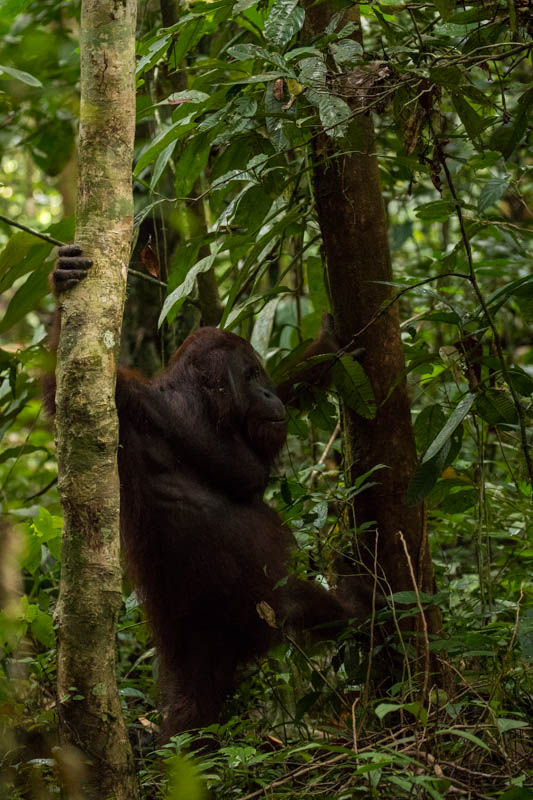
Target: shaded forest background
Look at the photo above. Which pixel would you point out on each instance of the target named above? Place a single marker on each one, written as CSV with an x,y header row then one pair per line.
x,y
244,113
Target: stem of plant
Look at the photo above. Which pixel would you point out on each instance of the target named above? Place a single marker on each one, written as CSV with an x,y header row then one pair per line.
x,y
475,286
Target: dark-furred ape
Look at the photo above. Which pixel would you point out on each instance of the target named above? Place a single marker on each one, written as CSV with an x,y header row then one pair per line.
x,y
197,444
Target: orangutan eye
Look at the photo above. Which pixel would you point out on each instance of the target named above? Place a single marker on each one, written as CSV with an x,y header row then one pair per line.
x,y
252,373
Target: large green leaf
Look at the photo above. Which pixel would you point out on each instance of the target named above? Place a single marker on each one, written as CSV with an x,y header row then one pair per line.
x,y
427,425
458,415
334,115
492,192
25,77
496,406
445,8
53,146
19,256
354,387
474,124
286,18
26,298
177,130
184,289
24,252
192,161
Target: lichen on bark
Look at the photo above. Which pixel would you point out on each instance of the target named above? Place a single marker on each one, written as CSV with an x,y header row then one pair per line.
x,y
87,426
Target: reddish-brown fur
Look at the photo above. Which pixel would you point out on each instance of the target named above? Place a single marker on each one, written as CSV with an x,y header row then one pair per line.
x,y
196,447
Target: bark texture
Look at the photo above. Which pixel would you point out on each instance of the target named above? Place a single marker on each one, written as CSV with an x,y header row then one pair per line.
x,y
87,427
353,221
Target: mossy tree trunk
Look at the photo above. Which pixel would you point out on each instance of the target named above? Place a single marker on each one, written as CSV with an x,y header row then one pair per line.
x,y
354,228
87,428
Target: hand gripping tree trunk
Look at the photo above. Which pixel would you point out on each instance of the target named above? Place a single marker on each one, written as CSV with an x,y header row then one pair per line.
x,y
354,229
87,428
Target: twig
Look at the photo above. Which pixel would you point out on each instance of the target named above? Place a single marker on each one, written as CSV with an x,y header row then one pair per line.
x,y
317,670
517,620
372,621
422,616
41,491
393,300
324,455
58,243
294,774
477,291
26,229
146,277
354,725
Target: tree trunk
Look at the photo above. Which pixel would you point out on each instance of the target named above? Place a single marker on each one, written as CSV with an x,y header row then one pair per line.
x,y
352,217
87,429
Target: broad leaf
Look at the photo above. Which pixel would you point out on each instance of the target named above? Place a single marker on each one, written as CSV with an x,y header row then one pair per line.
x,y
492,192
354,387
286,18
25,77
460,412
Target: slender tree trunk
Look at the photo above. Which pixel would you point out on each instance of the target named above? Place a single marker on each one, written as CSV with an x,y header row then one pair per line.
x,y
87,430
352,217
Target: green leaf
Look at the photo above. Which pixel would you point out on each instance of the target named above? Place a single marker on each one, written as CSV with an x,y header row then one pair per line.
x,y
53,146
275,125
437,211
458,415
517,793
312,72
521,289
507,137
459,501
445,8
184,289
505,724
525,634
184,780
189,36
153,54
346,52
491,192
484,35
18,452
25,77
472,15
10,8
46,526
496,406
427,425
26,298
354,387
463,735
161,162
411,598
474,124
245,309
175,131
522,382
334,115
286,18
322,413
244,52
422,482
42,628
192,161
20,255
263,326
446,76
190,96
